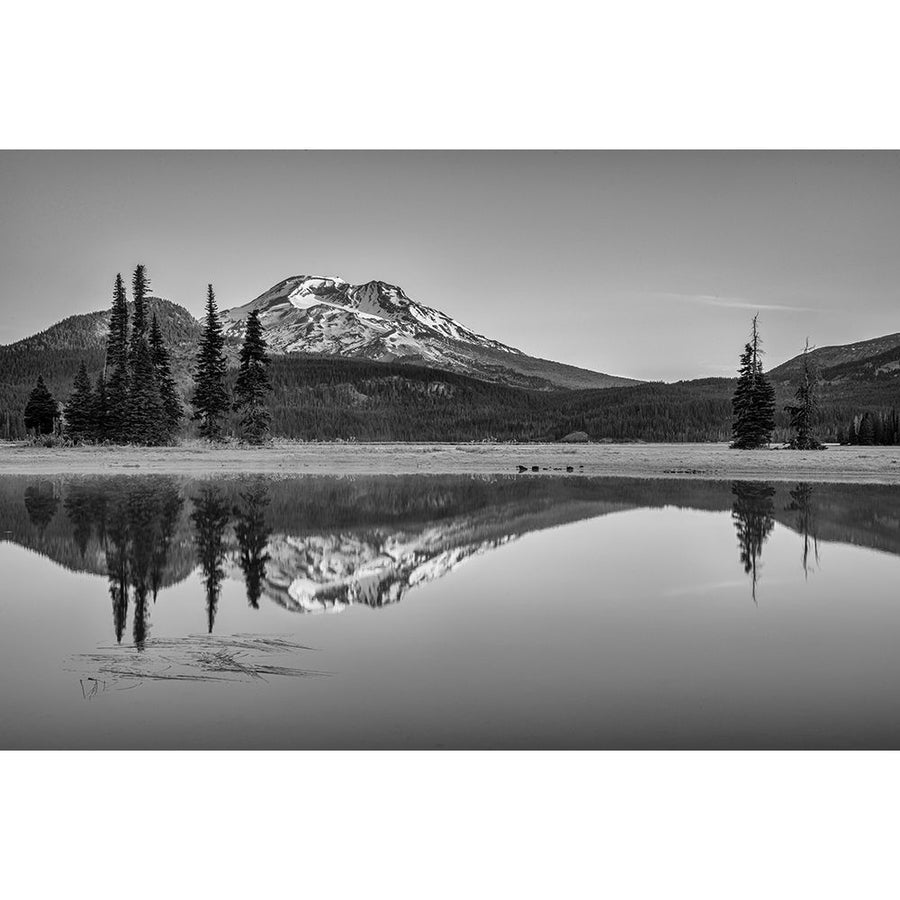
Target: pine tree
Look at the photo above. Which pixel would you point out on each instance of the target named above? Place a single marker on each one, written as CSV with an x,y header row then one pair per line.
x,y
41,411
100,411
168,391
210,393
116,425
117,341
753,403
804,413
80,408
253,384
140,288
146,422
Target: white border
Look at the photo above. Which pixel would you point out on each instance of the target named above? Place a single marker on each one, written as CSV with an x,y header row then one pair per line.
x,y
367,75
698,73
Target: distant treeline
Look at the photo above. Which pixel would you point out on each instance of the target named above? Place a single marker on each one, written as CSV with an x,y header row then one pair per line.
x,y
326,399
318,398
880,428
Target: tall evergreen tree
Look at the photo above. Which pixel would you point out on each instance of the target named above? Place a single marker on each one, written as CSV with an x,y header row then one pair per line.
x,y
753,403
173,412
253,384
100,411
117,340
140,289
146,422
116,377
80,408
210,393
804,412
42,410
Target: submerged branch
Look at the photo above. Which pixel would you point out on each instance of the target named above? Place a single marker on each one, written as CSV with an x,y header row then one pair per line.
x,y
197,658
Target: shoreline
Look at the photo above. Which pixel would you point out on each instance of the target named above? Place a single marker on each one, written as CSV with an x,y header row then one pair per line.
x,y
864,465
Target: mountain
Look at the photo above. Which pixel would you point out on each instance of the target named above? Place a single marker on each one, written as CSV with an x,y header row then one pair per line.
x,y
88,331
328,316
869,361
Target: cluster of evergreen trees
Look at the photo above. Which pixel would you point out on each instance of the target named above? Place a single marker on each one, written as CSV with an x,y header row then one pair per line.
x,y
872,429
135,398
211,400
753,404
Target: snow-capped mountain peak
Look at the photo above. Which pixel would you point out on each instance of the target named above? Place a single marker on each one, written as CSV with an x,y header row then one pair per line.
x,y
323,314
326,315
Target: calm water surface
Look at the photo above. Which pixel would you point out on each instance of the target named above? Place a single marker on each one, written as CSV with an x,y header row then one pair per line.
x,y
440,611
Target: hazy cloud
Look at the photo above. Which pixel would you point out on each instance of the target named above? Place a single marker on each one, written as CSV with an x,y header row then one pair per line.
x,y
741,303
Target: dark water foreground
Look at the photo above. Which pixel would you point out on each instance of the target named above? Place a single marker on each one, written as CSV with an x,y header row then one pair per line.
x,y
433,611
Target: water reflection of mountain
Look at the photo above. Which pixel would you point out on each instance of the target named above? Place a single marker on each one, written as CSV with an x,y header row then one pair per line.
x,y
315,543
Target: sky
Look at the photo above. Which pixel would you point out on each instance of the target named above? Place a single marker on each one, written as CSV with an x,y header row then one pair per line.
x,y
645,264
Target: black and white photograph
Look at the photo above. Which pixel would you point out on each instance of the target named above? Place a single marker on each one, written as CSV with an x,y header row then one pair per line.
x,y
565,454
446,456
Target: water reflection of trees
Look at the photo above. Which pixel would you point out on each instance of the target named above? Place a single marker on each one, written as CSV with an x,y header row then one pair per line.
x,y
323,534
252,533
801,503
753,514
41,503
134,522
211,516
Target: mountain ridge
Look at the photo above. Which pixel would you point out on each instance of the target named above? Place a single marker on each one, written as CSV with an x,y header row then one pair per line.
x,y
873,356
472,389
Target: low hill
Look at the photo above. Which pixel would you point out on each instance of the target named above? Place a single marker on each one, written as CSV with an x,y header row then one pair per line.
x,y
88,331
861,361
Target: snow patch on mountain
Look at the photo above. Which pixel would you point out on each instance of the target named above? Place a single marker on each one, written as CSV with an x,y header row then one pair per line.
x,y
319,314
326,315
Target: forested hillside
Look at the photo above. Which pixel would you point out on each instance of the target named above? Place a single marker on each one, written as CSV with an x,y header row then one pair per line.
x,y
324,398
57,352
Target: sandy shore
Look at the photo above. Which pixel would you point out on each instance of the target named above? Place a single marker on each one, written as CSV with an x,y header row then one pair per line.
x,y
714,461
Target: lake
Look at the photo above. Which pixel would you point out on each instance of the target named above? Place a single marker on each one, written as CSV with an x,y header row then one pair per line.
x,y
447,612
